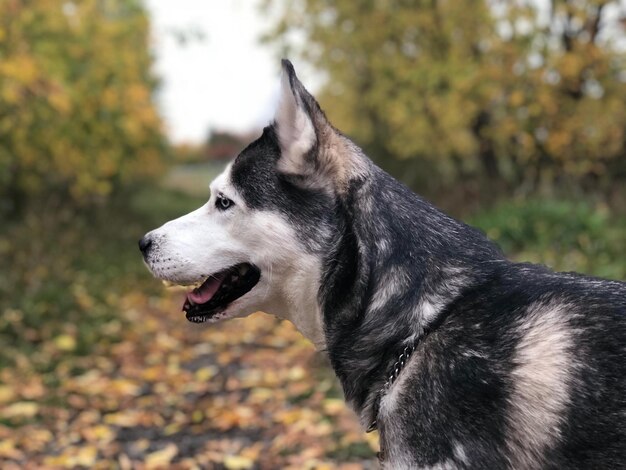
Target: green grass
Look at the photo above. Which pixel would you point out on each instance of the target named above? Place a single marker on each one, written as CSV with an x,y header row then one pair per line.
x,y
65,271
565,235
193,178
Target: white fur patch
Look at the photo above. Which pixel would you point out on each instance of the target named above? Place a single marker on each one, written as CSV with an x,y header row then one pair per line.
x,y
395,463
460,454
447,464
407,463
383,245
395,280
389,401
396,454
296,133
431,304
208,240
541,384
430,308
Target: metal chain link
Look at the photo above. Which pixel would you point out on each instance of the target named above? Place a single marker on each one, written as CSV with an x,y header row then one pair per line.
x,y
395,372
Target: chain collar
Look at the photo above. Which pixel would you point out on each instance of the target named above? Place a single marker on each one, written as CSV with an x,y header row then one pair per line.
x,y
393,376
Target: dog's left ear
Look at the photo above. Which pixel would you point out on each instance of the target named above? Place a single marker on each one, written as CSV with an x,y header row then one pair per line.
x,y
311,149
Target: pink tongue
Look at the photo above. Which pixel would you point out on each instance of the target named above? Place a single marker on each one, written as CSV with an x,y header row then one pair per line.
x,y
204,293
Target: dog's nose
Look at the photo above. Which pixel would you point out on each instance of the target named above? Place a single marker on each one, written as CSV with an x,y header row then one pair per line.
x,y
144,245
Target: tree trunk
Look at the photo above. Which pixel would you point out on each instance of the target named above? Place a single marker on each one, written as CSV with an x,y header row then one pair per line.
x,y
486,152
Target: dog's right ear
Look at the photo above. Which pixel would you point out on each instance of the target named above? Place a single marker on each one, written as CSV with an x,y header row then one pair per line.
x,y
311,149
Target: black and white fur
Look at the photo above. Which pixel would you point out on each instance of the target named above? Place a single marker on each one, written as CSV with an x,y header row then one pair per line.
x,y
515,366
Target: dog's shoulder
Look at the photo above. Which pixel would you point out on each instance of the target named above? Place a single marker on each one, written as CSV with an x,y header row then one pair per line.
x,y
517,360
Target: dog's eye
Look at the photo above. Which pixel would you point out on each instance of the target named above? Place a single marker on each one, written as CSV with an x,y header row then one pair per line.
x,y
223,203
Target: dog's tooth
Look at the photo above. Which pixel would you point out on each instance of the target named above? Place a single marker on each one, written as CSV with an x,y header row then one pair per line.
x,y
168,283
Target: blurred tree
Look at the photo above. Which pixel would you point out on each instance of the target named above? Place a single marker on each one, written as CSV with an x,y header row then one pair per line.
x,y
224,145
77,116
520,91
188,153
219,146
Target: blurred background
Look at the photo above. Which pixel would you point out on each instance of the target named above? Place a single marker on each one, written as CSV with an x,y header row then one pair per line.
x,y
116,114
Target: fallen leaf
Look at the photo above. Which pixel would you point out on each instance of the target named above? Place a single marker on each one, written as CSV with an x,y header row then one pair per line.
x,y
65,342
21,409
237,462
161,458
8,450
6,394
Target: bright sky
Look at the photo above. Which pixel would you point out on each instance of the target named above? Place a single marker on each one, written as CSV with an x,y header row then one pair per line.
x,y
227,81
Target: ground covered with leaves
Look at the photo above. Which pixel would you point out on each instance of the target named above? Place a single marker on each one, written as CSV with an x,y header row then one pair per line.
x,y
249,393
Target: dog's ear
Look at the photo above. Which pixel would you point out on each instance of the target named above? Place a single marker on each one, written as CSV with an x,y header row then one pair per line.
x,y
294,121
311,149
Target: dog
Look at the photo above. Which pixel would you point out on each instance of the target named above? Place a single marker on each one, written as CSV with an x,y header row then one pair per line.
x,y
459,357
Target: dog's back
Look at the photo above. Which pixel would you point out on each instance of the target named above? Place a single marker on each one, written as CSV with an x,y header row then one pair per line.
x,y
526,371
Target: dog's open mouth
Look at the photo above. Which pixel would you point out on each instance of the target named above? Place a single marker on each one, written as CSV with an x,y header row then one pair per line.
x,y
219,290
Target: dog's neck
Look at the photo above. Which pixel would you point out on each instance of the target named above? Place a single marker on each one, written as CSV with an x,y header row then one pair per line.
x,y
297,299
397,265
363,356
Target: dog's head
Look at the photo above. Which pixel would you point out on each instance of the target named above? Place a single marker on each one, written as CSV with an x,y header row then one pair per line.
x,y
258,243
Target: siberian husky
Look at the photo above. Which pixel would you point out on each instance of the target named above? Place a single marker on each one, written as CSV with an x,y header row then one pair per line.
x,y
460,358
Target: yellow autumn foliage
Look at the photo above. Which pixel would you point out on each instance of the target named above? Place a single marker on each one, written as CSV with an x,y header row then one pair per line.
x,y
77,111
449,90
